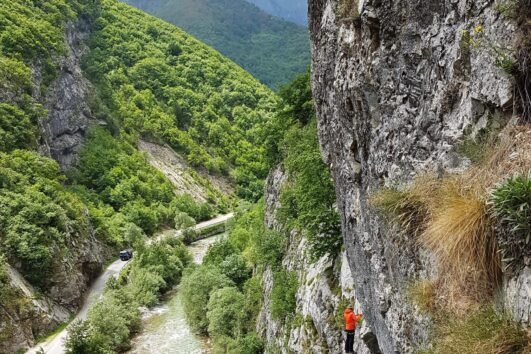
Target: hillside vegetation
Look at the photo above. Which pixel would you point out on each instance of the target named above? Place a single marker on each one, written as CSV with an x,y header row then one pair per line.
x,y
271,49
151,81
161,83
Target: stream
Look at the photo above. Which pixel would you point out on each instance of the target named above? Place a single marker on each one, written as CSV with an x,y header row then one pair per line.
x,y
164,327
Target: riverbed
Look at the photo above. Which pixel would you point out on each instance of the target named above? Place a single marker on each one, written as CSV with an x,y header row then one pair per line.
x,y
164,327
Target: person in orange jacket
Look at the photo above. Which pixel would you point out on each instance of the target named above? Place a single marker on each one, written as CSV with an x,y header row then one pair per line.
x,y
351,319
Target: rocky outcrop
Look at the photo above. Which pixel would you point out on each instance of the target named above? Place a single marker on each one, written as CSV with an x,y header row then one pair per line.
x,y
29,317
69,115
396,87
325,288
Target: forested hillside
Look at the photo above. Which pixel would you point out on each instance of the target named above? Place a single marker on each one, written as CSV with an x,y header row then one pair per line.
x,y
291,10
271,49
141,78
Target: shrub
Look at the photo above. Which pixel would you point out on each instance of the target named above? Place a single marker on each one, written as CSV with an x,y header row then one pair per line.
x,y
283,295
482,332
250,344
196,289
218,252
511,202
235,268
183,220
225,313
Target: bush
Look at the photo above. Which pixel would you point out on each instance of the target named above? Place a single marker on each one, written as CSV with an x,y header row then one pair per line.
x,y
196,289
225,313
218,252
235,268
250,344
283,295
511,202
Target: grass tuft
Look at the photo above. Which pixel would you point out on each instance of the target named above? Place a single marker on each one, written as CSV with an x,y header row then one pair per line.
x,y
348,9
410,207
483,332
461,235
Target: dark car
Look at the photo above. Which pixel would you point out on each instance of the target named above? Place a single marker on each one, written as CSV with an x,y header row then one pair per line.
x,y
126,255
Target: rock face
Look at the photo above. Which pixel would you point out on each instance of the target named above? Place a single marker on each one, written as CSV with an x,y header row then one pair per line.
x,y
69,115
396,86
325,288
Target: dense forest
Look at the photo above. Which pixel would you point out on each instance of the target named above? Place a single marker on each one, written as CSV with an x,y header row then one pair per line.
x,y
271,49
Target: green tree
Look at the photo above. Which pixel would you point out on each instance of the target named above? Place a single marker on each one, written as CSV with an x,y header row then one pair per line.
x,y
196,289
225,312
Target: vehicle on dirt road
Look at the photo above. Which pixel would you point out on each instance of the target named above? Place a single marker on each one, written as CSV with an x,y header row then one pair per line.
x,y
126,255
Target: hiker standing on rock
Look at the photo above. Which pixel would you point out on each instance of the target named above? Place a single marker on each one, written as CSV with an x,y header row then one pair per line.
x,y
351,319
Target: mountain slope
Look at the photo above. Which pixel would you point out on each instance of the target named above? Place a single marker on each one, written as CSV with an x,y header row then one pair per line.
x,y
291,10
60,220
271,49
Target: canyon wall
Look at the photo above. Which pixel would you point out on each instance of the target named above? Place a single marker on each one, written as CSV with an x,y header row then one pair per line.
x,y
397,85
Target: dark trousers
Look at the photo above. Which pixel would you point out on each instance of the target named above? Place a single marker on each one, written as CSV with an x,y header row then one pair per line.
x,y
349,342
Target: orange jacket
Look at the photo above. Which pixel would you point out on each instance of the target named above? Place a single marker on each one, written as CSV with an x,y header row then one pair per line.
x,y
351,319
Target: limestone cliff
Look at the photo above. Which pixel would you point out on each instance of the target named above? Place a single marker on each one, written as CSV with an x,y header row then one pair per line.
x,y
396,86
325,288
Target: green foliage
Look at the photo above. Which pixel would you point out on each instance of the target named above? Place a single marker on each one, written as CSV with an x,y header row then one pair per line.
x,y
308,202
39,216
236,269
197,287
116,178
247,38
283,300
249,344
225,313
198,102
218,252
115,319
511,202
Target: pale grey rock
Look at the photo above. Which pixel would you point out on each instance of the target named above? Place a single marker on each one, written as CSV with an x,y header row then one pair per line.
x,y
395,90
322,286
69,115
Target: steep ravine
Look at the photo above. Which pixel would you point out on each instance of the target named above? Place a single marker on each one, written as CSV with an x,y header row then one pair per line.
x,y
396,88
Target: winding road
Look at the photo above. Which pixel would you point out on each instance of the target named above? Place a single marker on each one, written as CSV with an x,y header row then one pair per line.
x,y
56,344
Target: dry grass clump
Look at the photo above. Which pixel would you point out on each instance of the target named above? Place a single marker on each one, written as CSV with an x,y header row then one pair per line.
x,y
460,234
410,207
483,332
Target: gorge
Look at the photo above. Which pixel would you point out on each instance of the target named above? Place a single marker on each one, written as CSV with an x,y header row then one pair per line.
x,y
394,175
